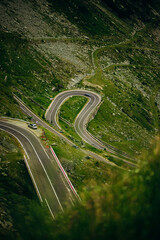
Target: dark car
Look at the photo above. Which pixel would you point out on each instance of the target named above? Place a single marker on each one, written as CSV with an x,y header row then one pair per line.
x,y
74,146
87,95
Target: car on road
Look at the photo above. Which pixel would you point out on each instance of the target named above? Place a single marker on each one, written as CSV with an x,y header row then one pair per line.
x,y
74,146
87,95
32,125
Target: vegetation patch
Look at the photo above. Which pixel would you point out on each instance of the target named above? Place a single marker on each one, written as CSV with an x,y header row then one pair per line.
x,y
70,109
130,205
128,82
95,24
80,167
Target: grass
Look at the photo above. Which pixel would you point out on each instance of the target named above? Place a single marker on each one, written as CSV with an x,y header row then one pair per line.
x,y
127,69
128,209
70,109
68,112
80,167
29,71
96,24
19,202
67,115
124,199
127,97
70,132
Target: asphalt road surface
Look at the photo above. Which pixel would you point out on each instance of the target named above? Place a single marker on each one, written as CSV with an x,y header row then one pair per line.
x,y
48,115
53,188
47,178
83,117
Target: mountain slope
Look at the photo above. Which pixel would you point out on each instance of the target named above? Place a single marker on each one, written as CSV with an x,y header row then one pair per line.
x,y
110,47
44,46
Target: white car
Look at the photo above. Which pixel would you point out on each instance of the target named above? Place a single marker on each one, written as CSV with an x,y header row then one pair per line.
x,y
32,125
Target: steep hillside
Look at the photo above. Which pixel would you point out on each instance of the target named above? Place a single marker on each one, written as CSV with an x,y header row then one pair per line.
x,y
111,47
127,210
48,46
144,10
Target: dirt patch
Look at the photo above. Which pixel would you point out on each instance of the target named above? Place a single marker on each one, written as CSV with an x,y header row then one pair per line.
x,y
88,84
23,124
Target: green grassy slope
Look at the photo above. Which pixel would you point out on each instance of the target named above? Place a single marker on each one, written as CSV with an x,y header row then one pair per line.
x,y
129,81
20,207
111,49
68,113
26,69
129,75
128,209
80,167
88,18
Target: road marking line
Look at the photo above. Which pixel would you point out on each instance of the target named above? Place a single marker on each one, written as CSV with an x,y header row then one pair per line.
x,y
91,139
39,142
28,167
23,104
65,174
41,164
34,182
71,201
43,122
59,103
60,96
49,208
110,149
68,190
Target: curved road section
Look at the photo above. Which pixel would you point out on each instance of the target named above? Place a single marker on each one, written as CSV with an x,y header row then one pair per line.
x,y
83,117
49,183
49,112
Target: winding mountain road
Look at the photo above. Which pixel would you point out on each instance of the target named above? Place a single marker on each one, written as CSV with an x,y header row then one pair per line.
x,y
48,176
51,186
82,118
41,122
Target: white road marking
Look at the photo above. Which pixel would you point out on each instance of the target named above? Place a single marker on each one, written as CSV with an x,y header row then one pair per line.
x,y
49,208
71,201
34,182
39,142
65,174
28,167
90,139
41,164
43,123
